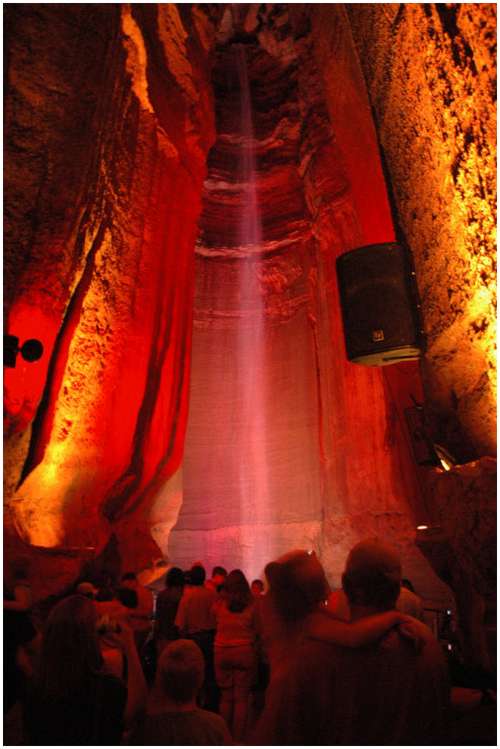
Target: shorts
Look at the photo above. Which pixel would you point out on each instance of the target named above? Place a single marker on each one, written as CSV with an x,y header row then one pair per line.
x,y
236,667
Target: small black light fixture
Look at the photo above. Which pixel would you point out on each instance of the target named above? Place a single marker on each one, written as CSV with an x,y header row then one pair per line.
x,y
31,350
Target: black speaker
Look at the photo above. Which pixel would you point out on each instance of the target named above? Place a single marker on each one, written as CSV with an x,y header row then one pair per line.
x,y
380,308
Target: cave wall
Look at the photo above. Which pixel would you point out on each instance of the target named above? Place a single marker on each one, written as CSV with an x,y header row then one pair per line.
x,y
112,211
337,463
370,480
108,122
430,71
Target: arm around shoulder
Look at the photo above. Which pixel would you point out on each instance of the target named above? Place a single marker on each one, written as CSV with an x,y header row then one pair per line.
x,y
322,626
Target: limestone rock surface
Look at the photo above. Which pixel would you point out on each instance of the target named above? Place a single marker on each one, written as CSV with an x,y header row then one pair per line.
x,y
108,121
430,71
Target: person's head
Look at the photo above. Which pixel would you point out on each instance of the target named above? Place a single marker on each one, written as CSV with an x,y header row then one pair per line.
x,y
128,597
297,584
70,651
129,580
180,672
17,571
86,588
175,578
405,583
236,591
219,574
372,575
197,575
105,593
257,588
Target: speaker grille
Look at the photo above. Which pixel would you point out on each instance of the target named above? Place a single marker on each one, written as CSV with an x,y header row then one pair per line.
x,y
379,305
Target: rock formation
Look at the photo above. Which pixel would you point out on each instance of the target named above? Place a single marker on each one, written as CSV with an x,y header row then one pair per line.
x,y
430,70
108,124
320,456
130,163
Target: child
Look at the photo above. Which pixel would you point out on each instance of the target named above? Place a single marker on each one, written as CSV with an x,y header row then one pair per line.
x,y
173,717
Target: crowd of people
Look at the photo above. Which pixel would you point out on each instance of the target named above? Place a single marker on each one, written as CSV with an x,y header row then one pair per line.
x,y
222,661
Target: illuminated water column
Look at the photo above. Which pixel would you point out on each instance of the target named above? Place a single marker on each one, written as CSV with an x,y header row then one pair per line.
x,y
251,461
254,473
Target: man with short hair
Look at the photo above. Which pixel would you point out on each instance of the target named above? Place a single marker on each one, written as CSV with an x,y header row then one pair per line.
x,y
195,620
386,693
173,718
219,575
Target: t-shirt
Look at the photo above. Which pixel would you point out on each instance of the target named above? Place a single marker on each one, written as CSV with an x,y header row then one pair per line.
x,y
195,610
234,627
167,604
93,718
194,728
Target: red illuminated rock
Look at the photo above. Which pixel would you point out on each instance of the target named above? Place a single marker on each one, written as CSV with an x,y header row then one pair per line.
x,y
314,453
108,123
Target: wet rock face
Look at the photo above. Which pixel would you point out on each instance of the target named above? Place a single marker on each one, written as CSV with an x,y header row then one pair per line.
x,y
288,445
431,76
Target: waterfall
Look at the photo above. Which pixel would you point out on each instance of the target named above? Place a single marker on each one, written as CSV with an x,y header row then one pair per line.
x,y
253,474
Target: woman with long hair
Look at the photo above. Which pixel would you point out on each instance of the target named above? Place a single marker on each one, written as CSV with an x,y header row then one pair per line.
x,y
235,651
73,700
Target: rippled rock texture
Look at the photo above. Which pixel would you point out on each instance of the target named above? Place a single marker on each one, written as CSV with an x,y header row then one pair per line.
x,y
108,124
289,445
430,71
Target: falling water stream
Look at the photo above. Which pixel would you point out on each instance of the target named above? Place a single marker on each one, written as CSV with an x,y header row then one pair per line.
x,y
254,480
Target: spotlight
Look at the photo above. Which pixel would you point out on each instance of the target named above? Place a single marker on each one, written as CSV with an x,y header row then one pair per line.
x,y
446,460
429,532
31,350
